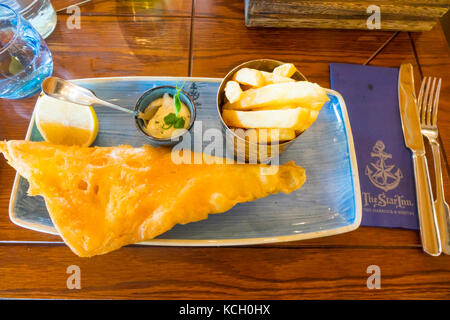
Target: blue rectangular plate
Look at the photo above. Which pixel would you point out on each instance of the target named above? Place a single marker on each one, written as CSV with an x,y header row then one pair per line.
x,y
329,203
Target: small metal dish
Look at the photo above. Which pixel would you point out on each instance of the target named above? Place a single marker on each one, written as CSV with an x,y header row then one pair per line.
x,y
157,93
260,152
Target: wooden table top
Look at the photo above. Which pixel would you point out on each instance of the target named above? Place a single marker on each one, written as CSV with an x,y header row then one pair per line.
x,y
207,38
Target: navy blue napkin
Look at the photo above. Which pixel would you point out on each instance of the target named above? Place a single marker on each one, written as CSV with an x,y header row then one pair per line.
x,y
385,165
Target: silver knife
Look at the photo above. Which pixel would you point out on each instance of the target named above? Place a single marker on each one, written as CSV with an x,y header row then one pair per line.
x,y
414,141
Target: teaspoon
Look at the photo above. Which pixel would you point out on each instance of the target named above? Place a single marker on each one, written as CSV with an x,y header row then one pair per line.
x,y
67,91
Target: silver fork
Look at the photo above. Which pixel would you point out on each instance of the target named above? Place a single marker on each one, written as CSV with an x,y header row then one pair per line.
x,y
428,107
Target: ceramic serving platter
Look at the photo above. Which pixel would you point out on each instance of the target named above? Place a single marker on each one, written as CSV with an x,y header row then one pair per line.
x,y
329,202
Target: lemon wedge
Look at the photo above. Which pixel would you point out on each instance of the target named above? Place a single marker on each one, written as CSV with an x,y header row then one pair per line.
x,y
65,123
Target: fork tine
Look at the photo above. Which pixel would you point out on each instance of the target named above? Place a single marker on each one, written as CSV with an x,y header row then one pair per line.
x,y
430,102
420,99
436,104
425,101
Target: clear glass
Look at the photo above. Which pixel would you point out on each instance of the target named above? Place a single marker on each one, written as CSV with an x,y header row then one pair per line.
x,y
25,60
39,13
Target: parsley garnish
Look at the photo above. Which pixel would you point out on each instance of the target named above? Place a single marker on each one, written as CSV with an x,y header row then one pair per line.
x,y
173,119
179,124
177,101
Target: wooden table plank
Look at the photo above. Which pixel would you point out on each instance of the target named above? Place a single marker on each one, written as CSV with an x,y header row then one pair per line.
x,y
122,46
39,271
220,44
173,8
62,5
399,50
220,9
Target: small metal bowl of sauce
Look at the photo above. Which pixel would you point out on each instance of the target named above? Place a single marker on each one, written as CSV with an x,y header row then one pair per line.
x,y
151,113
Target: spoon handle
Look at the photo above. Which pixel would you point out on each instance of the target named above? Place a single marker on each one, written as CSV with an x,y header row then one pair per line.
x,y
107,104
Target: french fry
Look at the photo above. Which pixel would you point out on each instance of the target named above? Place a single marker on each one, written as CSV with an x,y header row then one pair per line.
x,y
250,77
247,76
301,93
310,118
295,119
265,135
285,70
233,91
271,78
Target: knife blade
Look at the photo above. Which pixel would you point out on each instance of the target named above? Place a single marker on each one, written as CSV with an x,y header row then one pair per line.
x,y
409,115
408,109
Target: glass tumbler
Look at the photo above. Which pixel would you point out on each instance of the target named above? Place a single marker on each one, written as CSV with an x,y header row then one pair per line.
x,y
39,13
25,60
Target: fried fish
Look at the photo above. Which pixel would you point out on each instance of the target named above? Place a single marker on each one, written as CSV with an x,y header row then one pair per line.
x,y
103,198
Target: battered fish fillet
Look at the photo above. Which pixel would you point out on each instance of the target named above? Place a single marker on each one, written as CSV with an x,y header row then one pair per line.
x,y
103,198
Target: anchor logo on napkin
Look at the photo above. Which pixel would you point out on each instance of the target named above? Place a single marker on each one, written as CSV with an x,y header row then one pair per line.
x,y
382,176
